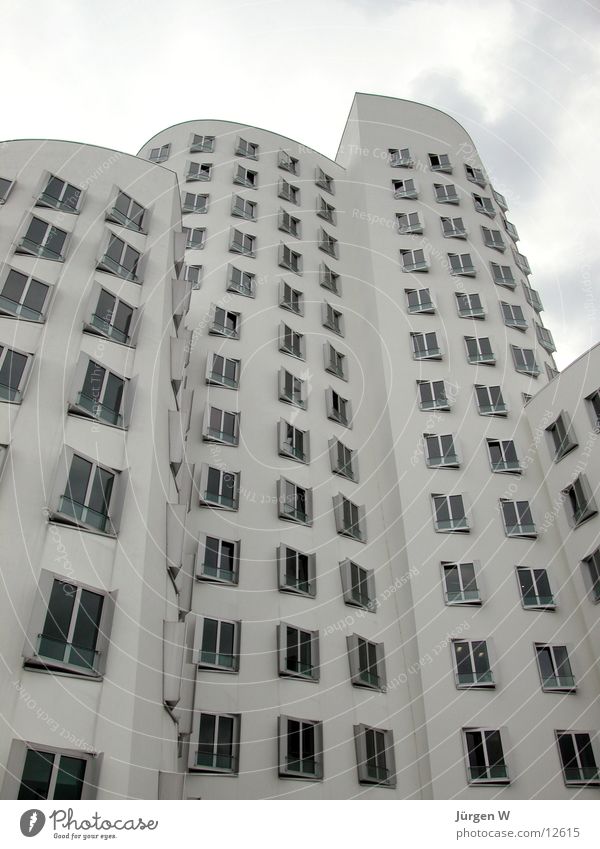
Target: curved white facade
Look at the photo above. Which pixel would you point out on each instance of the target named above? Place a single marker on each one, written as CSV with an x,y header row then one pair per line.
x,y
338,622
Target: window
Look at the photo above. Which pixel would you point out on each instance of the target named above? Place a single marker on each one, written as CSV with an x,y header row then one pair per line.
x,y
367,664
400,157
44,240
472,664
297,571
330,279
419,301
414,260
335,362
291,342
544,337
289,224
219,560
127,212
24,296
55,773
218,743
195,237
440,451
242,282
479,350
453,228
446,193
476,175
193,274
332,319
287,162
300,748
408,222
577,757
532,297
449,514
101,395
338,408
375,756
562,435
221,426
120,259
425,346
159,154
503,275
503,455
246,148
245,177
513,315
358,586
521,261
500,200
112,317
298,652
293,442
484,205
350,520
198,171
432,395
460,583
243,208
292,260
5,189
594,409
218,644
592,566
288,192
469,305
194,203
524,361
462,265
555,668
219,488
511,230
485,756
328,244
518,521
88,496
325,210
242,243
535,589
291,299
225,323
551,371
405,189
58,194
580,500
324,181
202,144
292,389
440,162
294,502
343,460
493,239
490,401
223,371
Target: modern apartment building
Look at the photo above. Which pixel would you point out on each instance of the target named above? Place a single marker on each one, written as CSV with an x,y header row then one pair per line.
x,y
282,437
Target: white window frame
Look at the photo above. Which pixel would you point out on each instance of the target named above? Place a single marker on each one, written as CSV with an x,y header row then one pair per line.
x,y
520,364
562,436
446,193
502,275
579,501
405,189
112,266
288,162
212,378
468,597
461,265
493,239
383,772
332,413
289,449
247,177
245,148
287,553
557,683
400,157
326,211
18,309
283,396
198,172
291,341
288,191
493,773
234,744
335,362
192,242
471,310
455,523
198,203
484,205
505,465
414,260
581,779
332,318
513,316
288,223
479,680
454,231
232,665
295,303
330,279
408,223
220,575
202,143
39,249
437,403
361,592
324,181
246,245
209,434
42,199
356,527
540,602
328,243
313,671
523,530
493,409
241,282
475,175
440,162
346,468
426,307
425,352
161,154
302,772
544,337
370,676
290,259
444,458
247,209
208,499
288,495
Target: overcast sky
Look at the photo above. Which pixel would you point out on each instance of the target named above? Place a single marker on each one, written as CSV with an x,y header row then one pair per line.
x,y
522,77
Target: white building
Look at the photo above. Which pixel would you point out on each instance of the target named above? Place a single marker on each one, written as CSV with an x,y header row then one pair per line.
x,y
325,568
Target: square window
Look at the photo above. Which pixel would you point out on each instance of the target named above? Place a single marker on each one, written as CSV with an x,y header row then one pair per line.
x,y
446,193
484,205
440,162
524,360
419,301
219,560
469,305
555,668
405,189
460,583
219,488
49,773
490,401
485,756
243,208
472,664
408,223
400,157
24,296
223,371
414,260
101,394
44,240
503,456
242,243
127,212
476,175
217,644
246,148
121,259
218,747
503,275
425,346
202,144
440,451
453,228
433,395
194,203
160,154
245,177
577,758
58,194
198,171
88,494
461,265
518,520
288,162
195,237
534,587
222,426
449,514
241,282
290,259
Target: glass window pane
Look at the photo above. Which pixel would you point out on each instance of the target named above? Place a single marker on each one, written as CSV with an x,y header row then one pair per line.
x,y
37,772
69,779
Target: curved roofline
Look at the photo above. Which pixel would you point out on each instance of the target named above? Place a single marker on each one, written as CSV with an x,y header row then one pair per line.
x,y
565,370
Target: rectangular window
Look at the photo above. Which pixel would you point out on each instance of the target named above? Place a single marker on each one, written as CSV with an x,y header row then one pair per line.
x,y
532,297
298,652
592,565
288,192
484,205
245,177
127,212
367,663
419,301
518,521
535,589
358,586
202,144
472,664
449,514
243,208
5,189
289,224
440,162
88,495
469,305
324,181
453,228
335,362
400,157
432,395
24,296
440,451
287,162
460,583
555,668
500,200
405,189
224,323
343,460
218,743
580,500
297,571
414,260
219,643
159,154
330,279
195,237
219,560
577,758
338,408
333,319
246,148
490,401
562,435
425,346
112,317
503,275
485,756
221,426
242,282
524,360
593,401
294,502
328,244
242,243
475,175
194,203
223,371
551,371
513,315
503,455
479,350
325,210
44,240
54,774
493,239
198,171
291,299
293,442
101,395
544,337
511,230
409,222
375,756
120,259
446,193
461,265
292,260
521,261
300,748
350,520
292,389
58,194
291,342
219,488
